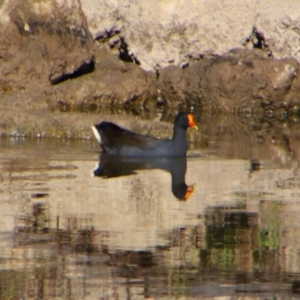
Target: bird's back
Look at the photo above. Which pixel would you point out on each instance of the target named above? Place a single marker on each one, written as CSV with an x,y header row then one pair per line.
x,y
119,141
115,140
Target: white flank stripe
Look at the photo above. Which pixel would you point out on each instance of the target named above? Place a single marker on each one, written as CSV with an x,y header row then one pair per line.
x,y
96,134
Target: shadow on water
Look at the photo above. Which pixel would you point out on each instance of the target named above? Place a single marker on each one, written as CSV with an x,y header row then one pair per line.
x,y
111,166
67,235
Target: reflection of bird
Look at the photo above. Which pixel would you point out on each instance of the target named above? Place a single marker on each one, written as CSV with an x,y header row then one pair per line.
x,y
109,167
115,140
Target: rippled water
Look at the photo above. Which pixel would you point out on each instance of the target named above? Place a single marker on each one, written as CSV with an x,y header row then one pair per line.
x,y
76,226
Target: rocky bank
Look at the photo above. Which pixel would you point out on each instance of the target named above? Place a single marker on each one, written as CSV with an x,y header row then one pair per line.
x,y
67,64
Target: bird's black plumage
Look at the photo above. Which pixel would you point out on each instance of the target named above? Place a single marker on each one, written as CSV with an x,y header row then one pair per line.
x,y
115,140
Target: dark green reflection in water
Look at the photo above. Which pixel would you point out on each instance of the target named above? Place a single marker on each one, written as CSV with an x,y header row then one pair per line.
x,y
228,236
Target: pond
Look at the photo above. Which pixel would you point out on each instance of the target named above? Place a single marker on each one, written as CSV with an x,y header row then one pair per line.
x,y
221,222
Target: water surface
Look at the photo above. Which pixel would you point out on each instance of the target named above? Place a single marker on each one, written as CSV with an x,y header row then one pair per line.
x,y
75,225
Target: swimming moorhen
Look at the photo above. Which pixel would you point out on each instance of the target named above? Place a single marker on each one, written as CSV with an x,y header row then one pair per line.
x,y
115,140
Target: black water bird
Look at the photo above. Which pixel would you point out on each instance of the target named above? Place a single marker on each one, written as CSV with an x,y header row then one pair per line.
x,y
115,140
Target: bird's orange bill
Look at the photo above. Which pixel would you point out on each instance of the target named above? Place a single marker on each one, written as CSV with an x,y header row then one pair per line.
x,y
192,122
190,189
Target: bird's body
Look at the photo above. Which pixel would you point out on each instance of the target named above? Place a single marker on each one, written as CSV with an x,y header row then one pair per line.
x,y
115,140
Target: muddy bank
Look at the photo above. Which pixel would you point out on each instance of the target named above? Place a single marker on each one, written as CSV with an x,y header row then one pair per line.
x,y
47,124
52,69
244,83
240,81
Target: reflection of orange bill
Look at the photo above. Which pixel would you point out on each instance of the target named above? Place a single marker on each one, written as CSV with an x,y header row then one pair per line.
x,y
190,189
192,122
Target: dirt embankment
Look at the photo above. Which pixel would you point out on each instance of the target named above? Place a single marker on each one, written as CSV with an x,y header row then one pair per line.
x,y
53,71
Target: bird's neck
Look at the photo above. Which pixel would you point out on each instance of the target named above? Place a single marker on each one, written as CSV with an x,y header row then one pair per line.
x,y
179,134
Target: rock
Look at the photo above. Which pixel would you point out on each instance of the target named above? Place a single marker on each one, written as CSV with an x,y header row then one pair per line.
x,y
160,33
104,17
41,42
113,83
277,23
